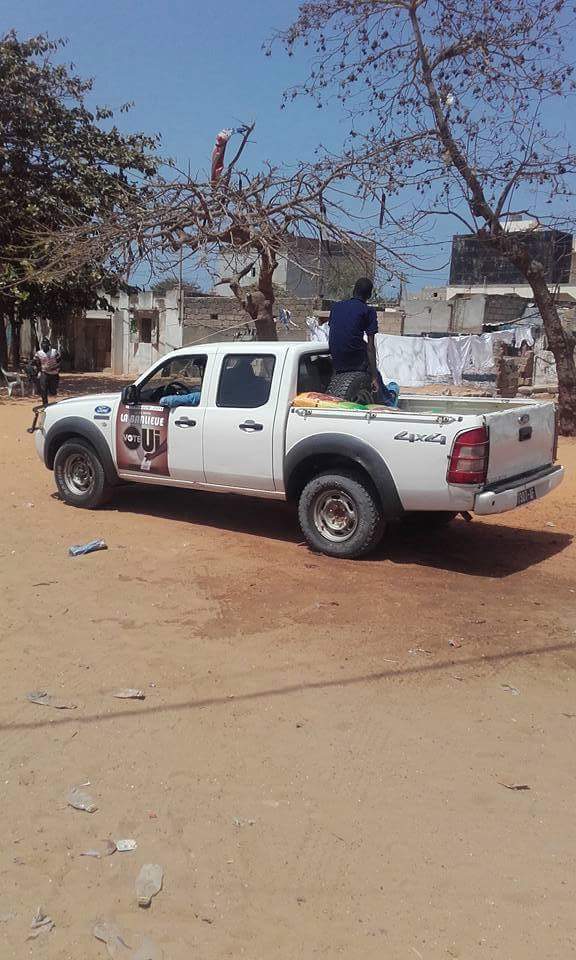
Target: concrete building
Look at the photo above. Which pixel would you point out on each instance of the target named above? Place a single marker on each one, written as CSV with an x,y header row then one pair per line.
x,y
309,268
475,267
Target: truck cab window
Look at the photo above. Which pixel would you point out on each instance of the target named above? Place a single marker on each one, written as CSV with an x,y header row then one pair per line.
x,y
245,380
314,373
179,376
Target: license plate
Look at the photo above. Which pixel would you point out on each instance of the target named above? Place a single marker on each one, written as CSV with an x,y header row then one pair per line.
x,y
525,496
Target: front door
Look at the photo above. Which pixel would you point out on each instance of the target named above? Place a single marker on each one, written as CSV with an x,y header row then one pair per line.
x,y
161,436
238,428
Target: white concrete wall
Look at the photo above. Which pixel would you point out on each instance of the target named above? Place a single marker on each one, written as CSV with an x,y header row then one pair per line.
x,y
131,357
523,290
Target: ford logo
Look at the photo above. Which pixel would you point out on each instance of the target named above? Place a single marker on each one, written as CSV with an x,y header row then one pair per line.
x,y
103,410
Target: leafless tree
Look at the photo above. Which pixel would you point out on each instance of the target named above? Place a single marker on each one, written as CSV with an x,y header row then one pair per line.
x,y
454,100
254,218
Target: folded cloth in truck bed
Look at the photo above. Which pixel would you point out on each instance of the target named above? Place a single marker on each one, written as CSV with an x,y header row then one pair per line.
x,y
323,401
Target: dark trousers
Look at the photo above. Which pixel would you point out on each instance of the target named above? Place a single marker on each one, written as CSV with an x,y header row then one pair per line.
x,y
48,386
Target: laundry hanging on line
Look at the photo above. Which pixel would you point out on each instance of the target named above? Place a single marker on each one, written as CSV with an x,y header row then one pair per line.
x,y
418,361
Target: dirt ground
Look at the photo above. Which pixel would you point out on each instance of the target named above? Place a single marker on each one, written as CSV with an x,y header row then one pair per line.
x,y
318,771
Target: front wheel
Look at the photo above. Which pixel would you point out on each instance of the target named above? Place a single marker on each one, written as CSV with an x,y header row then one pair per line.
x,y
340,515
80,476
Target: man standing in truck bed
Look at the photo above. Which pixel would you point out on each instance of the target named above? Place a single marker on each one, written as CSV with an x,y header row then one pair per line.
x,y
350,321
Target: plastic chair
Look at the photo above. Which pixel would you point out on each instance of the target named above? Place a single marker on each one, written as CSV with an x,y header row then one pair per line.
x,y
12,380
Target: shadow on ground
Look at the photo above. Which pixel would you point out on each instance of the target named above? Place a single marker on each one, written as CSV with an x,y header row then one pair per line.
x,y
233,700
479,549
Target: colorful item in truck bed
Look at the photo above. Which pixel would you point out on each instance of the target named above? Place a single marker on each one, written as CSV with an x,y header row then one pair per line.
x,y
323,401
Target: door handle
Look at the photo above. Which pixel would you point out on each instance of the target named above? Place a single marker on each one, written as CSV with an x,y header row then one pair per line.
x,y
251,425
185,422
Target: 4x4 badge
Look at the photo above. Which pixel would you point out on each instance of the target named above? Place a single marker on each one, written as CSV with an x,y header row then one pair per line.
x,y
423,437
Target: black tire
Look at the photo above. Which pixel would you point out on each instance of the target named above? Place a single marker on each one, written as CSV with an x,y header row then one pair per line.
x,y
355,386
80,476
430,519
334,498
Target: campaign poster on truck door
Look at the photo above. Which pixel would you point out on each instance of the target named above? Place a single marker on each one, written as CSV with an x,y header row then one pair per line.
x,y
142,439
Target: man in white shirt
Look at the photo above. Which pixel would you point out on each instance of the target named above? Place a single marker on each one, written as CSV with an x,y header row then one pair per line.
x,y
47,360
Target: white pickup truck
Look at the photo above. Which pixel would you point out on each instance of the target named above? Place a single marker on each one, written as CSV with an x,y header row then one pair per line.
x,y
232,427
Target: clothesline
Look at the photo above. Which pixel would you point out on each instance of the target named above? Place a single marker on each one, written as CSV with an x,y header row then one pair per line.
x,y
417,361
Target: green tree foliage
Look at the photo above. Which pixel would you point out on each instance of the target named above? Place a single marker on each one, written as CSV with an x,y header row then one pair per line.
x,y
189,287
60,163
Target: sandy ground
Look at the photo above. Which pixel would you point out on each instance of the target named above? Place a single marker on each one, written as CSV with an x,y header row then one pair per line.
x,y
317,770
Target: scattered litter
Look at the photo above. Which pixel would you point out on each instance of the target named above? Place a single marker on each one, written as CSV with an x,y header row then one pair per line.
x,y
30,504
47,700
148,883
130,694
238,822
81,801
45,583
514,786
107,851
80,549
455,643
478,621
152,815
110,934
125,846
41,923
327,603
388,660
549,524
466,516
513,690
417,650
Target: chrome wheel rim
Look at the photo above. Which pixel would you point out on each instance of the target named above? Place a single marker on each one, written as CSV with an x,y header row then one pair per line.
x,y
335,515
79,474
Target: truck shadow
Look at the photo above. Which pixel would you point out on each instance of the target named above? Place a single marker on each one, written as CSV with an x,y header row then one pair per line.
x,y
478,549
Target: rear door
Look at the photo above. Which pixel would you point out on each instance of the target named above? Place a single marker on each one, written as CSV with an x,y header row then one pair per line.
x,y
521,440
239,425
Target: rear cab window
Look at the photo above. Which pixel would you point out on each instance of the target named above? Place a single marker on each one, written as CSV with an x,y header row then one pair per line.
x,y
314,373
245,380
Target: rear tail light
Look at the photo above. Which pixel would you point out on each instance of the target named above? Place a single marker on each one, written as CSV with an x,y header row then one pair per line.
x,y
469,458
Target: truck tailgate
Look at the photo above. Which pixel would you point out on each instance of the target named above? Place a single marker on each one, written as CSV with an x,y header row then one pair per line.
x,y
521,440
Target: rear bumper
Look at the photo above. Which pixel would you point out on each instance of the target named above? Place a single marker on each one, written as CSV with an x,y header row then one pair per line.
x,y
504,497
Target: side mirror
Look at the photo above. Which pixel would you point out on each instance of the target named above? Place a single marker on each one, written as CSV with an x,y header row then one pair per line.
x,y
130,395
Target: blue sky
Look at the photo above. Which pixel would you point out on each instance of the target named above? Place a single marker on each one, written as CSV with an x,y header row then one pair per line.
x,y
193,67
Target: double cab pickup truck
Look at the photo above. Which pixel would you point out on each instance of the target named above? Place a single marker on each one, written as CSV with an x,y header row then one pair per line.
x,y
222,417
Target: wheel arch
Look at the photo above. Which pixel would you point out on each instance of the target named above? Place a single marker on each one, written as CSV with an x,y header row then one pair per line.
x,y
314,455
75,428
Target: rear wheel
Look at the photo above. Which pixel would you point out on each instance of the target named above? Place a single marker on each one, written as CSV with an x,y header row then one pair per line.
x,y
355,386
80,476
340,515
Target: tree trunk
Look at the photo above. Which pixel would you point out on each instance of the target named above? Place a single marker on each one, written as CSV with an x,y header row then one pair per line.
x,y
3,344
260,305
561,343
16,327
265,323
